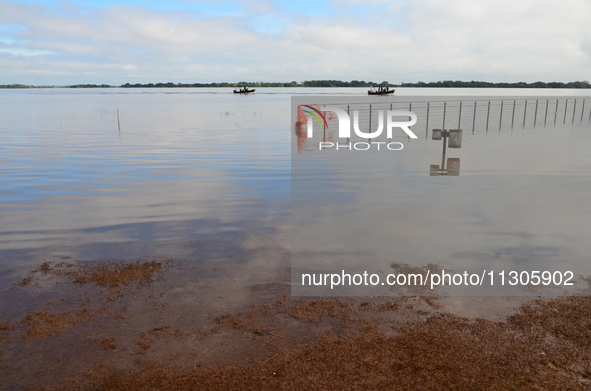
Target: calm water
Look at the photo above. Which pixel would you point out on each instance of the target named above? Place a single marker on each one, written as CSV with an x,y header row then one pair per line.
x,y
196,174
179,166
512,198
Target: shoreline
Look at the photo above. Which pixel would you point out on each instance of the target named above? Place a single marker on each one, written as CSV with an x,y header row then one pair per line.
x,y
134,324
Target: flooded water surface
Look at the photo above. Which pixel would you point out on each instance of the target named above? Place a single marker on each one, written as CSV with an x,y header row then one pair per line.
x,y
171,225
100,174
490,198
197,174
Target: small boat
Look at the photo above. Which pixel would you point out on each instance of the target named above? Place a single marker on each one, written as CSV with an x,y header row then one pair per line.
x,y
381,91
244,90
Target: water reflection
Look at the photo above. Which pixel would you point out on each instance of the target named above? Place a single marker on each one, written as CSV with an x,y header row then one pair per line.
x,y
518,205
453,164
122,173
476,115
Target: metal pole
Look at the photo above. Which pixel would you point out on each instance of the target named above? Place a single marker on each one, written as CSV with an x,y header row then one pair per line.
x,y
444,110
574,109
536,114
460,116
500,117
556,112
349,117
427,125
474,118
582,110
513,115
487,115
369,130
546,115
524,112
443,154
409,109
565,107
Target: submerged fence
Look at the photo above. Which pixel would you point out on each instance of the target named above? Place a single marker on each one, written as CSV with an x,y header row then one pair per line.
x,y
480,115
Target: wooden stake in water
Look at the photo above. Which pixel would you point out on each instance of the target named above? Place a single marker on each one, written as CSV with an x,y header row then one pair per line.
x,y
513,115
555,112
118,123
565,107
536,114
582,110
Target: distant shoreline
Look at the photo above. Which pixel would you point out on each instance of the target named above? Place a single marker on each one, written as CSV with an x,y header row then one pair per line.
x,y
326,84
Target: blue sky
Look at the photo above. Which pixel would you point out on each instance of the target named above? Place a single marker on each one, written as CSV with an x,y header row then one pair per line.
x,y
113,42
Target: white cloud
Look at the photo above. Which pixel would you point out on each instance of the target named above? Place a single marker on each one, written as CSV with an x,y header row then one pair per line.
x,y
403,41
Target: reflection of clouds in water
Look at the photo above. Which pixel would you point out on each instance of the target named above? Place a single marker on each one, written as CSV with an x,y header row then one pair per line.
x,y
511,208
262,241
177,157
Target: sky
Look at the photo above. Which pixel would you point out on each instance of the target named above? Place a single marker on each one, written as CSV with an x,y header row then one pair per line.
x,y
185,41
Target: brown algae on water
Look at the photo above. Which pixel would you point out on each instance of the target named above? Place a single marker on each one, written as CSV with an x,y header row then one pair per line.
x,y
128,333
113,276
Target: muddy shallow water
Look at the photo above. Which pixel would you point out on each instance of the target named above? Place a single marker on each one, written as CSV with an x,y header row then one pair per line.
x,y
162,324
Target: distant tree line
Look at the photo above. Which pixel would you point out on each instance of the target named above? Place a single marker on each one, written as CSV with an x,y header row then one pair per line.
x,y
334,83
222,84
362,83
22,86
90,86
339,83
308,83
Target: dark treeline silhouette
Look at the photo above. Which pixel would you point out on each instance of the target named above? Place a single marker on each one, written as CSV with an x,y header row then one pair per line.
x,y
90,86
22,86
339,83
334,83
222,84
362,83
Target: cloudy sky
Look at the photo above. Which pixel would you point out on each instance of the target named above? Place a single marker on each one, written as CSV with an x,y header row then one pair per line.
x,y
113,42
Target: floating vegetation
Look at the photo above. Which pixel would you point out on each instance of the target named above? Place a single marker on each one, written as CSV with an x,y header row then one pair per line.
x,y
308,343
114,275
